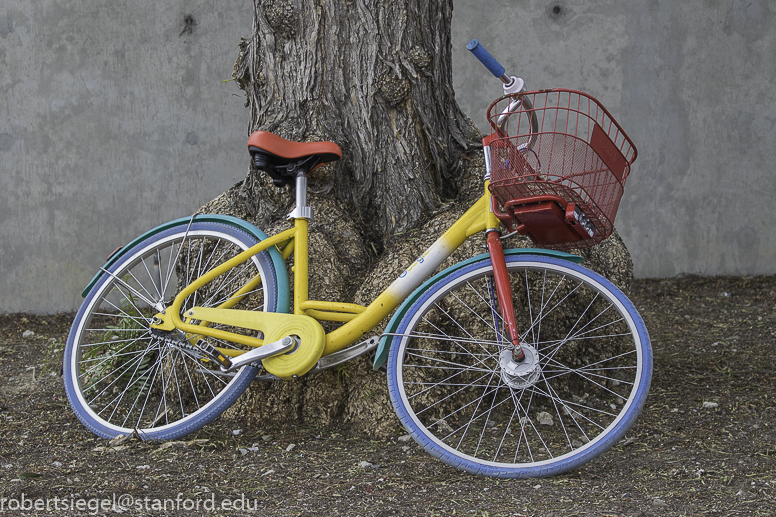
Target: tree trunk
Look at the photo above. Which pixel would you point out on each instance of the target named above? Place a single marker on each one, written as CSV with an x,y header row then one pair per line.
x,y
373,76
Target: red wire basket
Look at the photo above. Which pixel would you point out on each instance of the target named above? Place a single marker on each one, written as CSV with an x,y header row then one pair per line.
x,y
559,162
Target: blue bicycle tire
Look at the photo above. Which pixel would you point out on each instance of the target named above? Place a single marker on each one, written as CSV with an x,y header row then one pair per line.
x,y
459,394
111,354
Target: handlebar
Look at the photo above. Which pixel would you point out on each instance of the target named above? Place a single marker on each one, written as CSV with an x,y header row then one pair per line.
x,y
512,86
489,61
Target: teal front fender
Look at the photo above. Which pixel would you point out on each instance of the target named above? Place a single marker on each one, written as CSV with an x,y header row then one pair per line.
x,y
385,340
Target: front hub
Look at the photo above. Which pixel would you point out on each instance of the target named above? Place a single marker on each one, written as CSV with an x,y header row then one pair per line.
x,y
520,374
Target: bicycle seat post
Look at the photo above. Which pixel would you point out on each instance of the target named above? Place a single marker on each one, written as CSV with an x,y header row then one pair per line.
x,y
302,211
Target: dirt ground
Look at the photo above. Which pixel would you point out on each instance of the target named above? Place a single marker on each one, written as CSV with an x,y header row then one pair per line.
x,y
704,445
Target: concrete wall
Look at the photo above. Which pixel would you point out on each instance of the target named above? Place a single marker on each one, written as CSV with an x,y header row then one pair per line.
x,y
101,104
113,119
692,82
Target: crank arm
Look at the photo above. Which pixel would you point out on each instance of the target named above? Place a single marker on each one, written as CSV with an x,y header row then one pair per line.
x,y
262,352
331,360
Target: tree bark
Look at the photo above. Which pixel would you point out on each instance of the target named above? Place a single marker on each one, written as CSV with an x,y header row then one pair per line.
x,y
373,76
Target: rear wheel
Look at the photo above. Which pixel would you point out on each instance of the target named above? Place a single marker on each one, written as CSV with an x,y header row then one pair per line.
x,y
121,375
461,395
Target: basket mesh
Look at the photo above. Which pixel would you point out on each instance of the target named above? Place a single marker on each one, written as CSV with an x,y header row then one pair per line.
x,y
574,151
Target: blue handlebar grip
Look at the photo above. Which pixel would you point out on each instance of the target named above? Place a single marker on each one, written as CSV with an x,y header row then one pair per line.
x,y
485,58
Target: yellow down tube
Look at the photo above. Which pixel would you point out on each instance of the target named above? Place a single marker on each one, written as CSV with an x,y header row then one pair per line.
x,y
477,219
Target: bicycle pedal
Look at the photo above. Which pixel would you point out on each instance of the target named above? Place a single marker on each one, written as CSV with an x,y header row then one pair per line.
x,y
213,353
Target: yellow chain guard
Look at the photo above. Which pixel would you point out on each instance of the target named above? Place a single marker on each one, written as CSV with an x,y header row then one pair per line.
x,y
305,357
275,326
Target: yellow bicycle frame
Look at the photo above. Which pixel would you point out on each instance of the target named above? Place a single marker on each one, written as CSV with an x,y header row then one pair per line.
x,y
357,319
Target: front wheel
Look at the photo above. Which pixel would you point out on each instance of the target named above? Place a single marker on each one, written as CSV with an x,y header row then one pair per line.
x,y
121,376
460,394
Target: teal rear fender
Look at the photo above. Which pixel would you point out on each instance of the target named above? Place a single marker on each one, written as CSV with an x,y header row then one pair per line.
x,y
284,292
385,340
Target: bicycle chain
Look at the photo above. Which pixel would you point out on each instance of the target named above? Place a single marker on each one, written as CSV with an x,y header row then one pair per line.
x,y
207,351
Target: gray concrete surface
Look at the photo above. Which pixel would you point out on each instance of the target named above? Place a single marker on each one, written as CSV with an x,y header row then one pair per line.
x,y
692,84
101,103
113,119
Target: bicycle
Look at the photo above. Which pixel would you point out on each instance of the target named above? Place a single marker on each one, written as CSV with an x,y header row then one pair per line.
x,y
177,323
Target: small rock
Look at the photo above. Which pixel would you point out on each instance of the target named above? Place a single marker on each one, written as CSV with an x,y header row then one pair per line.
x,y
710,405
28,333
406,448
237,432
544,418
167,445
243,451
405,438
143,467
267,437
365,465
290,447
659,503
445,427
57,464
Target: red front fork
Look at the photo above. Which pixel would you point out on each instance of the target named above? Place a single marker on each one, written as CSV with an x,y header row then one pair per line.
x,y
504,291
